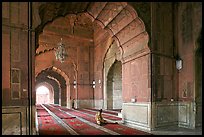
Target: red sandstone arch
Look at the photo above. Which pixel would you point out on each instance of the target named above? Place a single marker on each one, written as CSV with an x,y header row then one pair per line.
x,y
59,71
66,78
47,65
128,32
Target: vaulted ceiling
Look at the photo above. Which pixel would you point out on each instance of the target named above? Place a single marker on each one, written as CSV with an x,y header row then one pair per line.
x,y
118,18
48,11
113,16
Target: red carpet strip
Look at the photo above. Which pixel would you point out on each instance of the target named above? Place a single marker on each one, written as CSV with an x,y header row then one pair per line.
x,y
48,126
42,113
57,112
83,128
39,107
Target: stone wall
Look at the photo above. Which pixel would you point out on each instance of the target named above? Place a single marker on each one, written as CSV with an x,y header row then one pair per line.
x,y
189,30
173,90
15,70
137,115
85,103
181,114
136,80
15,59
163,51
14,120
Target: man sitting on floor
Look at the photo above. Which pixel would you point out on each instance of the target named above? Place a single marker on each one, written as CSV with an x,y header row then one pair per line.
x,y
100,120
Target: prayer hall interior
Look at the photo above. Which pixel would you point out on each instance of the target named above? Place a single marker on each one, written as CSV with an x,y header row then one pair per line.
x,y
140,62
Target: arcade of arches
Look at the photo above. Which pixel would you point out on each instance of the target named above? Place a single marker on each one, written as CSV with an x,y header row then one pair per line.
x,y
129,49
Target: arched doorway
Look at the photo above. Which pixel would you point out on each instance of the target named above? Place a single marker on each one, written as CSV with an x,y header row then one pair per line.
x,y
44,94
112,71
114,86
59,84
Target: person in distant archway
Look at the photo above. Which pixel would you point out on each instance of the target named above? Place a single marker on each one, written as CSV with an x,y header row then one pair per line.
x,y
73,104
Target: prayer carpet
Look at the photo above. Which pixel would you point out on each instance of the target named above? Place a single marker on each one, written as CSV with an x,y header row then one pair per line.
x,y
82,128
121,129
42,113
77,125
58,113
48,126
85,129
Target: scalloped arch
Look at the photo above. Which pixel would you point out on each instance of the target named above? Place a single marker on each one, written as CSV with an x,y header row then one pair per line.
x,y
59,71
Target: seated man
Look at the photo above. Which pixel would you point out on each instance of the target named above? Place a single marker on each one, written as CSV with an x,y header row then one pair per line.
x,y
99,118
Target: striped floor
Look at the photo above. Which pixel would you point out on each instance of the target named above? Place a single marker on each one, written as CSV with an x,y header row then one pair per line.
x,y
56,120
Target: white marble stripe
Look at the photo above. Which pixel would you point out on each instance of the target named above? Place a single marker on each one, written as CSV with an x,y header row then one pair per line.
x,y
36,119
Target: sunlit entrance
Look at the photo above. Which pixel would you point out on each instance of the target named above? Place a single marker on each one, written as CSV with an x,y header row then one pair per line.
x,y
42,95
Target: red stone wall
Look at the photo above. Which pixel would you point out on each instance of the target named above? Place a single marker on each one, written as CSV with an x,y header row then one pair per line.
x,y
5,66
136,80
133,83
173,35
189,28
15,53
102,42
164,80
15,69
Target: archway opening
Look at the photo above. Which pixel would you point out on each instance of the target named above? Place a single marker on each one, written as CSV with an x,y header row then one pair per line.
x,y
114,86
44,95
